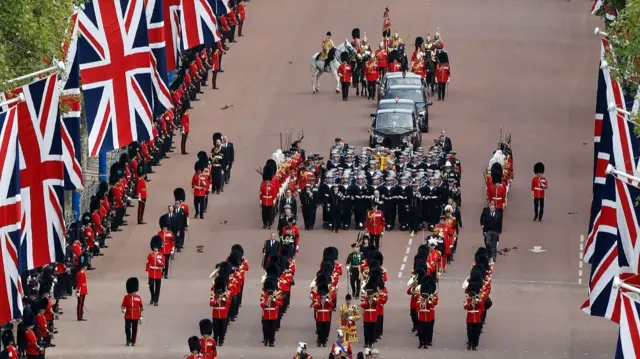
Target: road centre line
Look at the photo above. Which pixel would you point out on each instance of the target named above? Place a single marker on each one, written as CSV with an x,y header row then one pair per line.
x,y
580,259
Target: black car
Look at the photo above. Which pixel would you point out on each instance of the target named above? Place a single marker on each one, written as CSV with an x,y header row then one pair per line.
x,y
423,123
395,128
417,95
398,78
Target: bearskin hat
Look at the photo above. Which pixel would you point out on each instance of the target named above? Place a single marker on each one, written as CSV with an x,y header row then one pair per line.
x,y
374,264
270,284
272,164
206,327
28,319
194,342
478,273
133,285
156,242
203,157
355,33
371,285
377,256
344,56
538,168
375,274
216,136
273,270
381,283
323,289
124,158
423,248
322,278
474,287
483,261
7,337
44,289
179,194
114,173
443,57
496,173
420,273
327,253
426,285
419,264
198,166
235,258
86,218
220,284
164,222
328,267
419,42
267,173
238,248
482,251
141,170
224,267
103,187
132,150
335,252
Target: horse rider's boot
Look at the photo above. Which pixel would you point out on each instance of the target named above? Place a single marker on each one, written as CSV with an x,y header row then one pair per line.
x,y
326,65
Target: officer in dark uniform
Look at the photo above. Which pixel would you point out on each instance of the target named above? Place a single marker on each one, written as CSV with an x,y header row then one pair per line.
x,y
401,193
335,206
388,194
179,218
415,206
354,260
432,203
309,201
361,196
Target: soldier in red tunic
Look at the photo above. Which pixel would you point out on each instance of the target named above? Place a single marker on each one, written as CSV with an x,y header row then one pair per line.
x,y
474,305
375,225
10,350
270,302
372,74
370,314
443,74
81,290
133,309
220,303
242,15
199,186
154,268
427,299
268,195
194,348
208,345
168,242
538,189
141,193
346,76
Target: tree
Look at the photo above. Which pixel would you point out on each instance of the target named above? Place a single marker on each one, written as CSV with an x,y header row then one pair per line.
x,y
32,32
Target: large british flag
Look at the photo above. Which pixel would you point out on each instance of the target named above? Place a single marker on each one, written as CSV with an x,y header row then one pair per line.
x,y
629,334
41,174
170,10
70,104
10,214
156,30
115,71
198,23
220,7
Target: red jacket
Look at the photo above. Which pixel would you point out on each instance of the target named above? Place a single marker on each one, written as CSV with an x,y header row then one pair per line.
x,y
268,194
417,68
224,25
117,196
538,187
215,60
220,307
132,307
413,302
77,252
241,12
199,185
155,265
371,71
208,348
96,223
323,310
498,194
184,123
443,73
41,323
168,242
383,58
345,73
382,300
88,235
141,188
395,67
426,309
32,343
370,311
375,222
270,308
474,310
81,283
194,71
231,17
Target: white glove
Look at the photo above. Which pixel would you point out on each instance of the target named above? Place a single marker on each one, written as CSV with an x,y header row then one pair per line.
x,y
173,251
123,310
350,318
78,294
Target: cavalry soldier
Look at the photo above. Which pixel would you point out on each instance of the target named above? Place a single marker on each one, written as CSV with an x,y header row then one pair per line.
x,y
538,189
365,46
168,243
208,345
342,346
375,225
354,261
372,75
346,75
443,74
348,315
395,66
220,303
396,40
382,57
301,352
270,302
133,309
386,24
194,348
268,194
327,45
154,268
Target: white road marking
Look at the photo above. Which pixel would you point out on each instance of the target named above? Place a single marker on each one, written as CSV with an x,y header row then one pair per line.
x,y
408,250
580,259
402,267
404,260
410,240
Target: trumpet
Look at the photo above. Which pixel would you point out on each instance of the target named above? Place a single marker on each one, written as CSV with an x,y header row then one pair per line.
x,y
412,281
214,273
465,284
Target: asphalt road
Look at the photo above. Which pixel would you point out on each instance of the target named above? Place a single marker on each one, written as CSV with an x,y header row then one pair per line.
x,y
528,66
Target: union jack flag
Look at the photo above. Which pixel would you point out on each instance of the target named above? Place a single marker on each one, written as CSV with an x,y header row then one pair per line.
x,y
10,214
41,174
220,7
198,23
629,334
170,9
69,82
156,30
115,70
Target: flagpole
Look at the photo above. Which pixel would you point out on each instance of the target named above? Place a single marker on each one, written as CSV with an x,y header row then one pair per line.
x,y
58,66
618,173
618,283
20,98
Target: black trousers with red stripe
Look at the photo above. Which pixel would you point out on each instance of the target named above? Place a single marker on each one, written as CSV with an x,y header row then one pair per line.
x,y
80,307
141,205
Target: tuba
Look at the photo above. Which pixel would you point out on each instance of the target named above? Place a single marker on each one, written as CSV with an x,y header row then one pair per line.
x,y
465,284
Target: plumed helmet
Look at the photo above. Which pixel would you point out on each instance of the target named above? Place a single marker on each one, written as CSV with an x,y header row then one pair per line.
x,y
220,284
273,270
419,42
164,221
124,158
377,256
270,284
156,242
7,337
179,194
133,285
344,56
237,248
103,187
355,33
443,57
86,218
203,157
206,327
267,173
496,173
538,168
194,343
217,136
198,166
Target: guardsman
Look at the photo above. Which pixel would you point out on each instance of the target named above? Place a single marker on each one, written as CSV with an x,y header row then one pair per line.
x,y
81,290
208,345
268,195
233,22
204,159
290,235
243,269
45,335
538,189
348,315
372,74
375,225
395,66
427,302
443,74
417,66
168,243
355,35
270,302
89,235
194,348
216,56
342,345
179,217
199,186
10,351
301,352
154,268
346,76
323,305
242,15
33,350
220,303
327,45
133,310
141,193
386,24
497,190
474,305
370,314
185,128
354,262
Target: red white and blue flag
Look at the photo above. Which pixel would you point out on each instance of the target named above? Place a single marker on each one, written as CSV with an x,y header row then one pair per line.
x,y
220,7
173,36
198,24
629,334
70,107
41,174
156,31
10,215
115,71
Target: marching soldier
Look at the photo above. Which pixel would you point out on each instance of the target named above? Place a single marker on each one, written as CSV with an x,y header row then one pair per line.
x,y
443,74
268,193
372,74
141,193
179,218
327,45
345,72
194,348
322,306
474,305
370,316
427,299
270,302
301,352
309,201
218,163
199,186
185,127
375,225
354,261
538,189
290,235
220,303
133,309
208,345
348,315
168,243
154,268
206,173
382,58
335,206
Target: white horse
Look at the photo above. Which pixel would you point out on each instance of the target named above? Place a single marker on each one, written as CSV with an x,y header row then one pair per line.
x,y
498,157
317,66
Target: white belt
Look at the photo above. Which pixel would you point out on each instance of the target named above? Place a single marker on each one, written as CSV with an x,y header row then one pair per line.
x,y
370,310
219,308
199,187
323,310
156,268
425,310
497,198
473,311
269,308
268,196
539,189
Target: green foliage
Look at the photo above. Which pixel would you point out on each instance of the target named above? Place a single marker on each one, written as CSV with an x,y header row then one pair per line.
x,y
32,32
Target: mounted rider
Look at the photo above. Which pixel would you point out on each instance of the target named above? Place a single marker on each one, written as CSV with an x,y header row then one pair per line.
x,y
419,43
382,57
327,45
364,46
356,42
396,41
